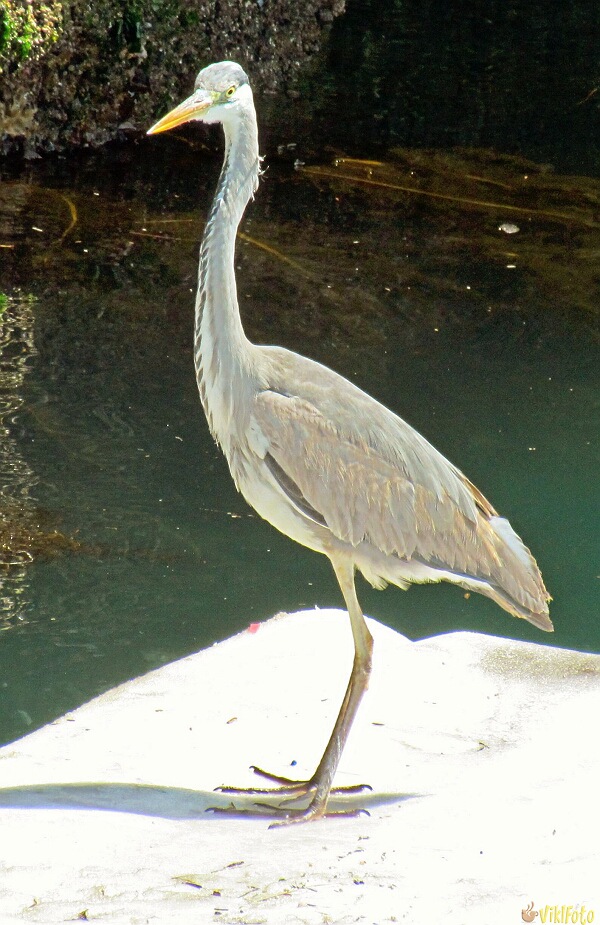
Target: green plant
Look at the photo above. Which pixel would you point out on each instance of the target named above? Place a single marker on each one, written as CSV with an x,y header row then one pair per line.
x,y
26,29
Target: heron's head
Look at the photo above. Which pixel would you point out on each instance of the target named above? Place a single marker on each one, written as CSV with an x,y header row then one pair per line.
x,y
220,90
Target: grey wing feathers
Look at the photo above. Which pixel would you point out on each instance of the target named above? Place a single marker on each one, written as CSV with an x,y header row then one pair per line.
x,y
362,491
382,483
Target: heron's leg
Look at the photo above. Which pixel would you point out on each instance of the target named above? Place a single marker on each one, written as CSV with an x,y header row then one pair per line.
x,y
322,779
320,784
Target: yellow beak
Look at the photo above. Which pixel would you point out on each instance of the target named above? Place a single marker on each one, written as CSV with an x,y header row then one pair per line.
x,y
191,108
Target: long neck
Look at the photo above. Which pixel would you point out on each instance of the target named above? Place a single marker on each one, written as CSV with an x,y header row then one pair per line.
x,y
221,349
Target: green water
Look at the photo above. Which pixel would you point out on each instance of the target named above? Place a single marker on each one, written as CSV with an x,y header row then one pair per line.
x,y
144,550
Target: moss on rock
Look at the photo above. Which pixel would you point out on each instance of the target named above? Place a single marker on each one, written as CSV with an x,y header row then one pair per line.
x,y
76,74
27,30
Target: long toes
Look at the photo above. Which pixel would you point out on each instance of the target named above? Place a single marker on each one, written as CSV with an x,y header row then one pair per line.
x,y
352,788
285,792
286,786
293,817
232,811
285,815
294,791
306,785
281,812
240,790
278,779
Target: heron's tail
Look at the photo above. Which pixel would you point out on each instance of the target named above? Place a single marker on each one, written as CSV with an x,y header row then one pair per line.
x,y
509,575
516,583
503,570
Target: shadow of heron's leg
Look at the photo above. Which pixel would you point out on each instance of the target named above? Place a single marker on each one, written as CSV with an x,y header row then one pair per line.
x,y
319,786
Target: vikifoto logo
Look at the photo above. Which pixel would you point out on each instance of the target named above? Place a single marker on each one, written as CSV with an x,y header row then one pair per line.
x,y
559,915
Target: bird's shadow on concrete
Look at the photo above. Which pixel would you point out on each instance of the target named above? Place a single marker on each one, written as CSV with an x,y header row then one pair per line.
x,y
168,802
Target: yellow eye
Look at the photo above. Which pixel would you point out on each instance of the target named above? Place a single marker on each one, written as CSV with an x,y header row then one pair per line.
x,y
230,92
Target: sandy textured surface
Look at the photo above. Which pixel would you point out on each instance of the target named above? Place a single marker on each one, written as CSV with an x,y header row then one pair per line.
x,y
483,755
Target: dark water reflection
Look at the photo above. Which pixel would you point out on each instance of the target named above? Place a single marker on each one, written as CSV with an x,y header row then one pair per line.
x,y
129,544
518,76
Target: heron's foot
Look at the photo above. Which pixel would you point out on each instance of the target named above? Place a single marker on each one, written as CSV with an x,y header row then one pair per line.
x,y
288,791
285,815
289,788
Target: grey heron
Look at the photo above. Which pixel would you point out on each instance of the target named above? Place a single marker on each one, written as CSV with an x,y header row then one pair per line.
x,y
324,462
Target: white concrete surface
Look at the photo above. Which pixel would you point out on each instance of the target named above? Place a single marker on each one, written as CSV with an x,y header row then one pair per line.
x,y
483,755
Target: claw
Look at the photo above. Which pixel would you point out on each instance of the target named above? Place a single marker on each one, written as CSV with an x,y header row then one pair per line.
x,y
288,791
287,816
288,786
308,815
287,782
